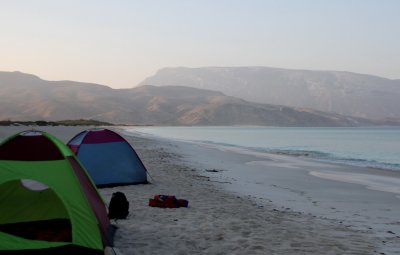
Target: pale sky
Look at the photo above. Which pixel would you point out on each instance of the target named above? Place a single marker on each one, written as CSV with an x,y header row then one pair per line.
x,y
121,42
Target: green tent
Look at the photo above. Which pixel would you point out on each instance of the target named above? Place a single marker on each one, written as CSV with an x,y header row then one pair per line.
x,y
48,203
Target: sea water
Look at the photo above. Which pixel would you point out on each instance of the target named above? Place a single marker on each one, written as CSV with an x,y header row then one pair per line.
x,y
367,147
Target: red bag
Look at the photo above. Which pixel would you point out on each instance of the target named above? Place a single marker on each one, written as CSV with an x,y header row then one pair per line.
x,y
153,203
165,201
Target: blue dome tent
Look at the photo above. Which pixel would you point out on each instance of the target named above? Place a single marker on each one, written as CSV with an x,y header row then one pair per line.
x,y
108,157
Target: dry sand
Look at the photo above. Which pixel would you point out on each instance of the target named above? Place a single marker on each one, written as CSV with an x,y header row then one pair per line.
x,y
217,221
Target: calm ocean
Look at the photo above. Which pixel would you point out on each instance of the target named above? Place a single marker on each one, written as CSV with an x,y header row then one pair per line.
x,y
369,147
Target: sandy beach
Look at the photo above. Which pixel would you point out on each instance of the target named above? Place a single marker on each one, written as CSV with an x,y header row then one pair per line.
x,y
300,209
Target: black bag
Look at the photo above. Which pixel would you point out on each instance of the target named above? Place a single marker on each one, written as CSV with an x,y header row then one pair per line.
x,y
119,206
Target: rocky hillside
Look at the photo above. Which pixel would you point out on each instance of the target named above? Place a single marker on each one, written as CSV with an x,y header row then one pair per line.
x,y
344,93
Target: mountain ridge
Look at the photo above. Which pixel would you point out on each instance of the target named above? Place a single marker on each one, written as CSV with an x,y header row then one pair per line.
x,y
342,92
25,97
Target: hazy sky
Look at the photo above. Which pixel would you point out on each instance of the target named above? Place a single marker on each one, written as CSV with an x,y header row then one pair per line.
x,y
121,42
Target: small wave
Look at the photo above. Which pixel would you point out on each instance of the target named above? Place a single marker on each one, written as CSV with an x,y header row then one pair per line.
x,y
365,163
300,153
317,155
331,158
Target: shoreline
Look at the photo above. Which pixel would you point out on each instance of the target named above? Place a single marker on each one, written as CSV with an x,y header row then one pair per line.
x,y
324,154
345,202
221,220
343,170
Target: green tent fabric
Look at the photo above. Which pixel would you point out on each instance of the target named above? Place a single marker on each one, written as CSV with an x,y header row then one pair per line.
x,y
47,200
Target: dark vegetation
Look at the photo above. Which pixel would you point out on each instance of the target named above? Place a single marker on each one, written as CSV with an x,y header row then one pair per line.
x,y
80,122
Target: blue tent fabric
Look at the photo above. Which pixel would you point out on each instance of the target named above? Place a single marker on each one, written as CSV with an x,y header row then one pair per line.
x,y
110,163
77,140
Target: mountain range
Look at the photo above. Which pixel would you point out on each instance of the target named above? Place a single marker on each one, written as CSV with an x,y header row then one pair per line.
x,y
344,93
27,97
